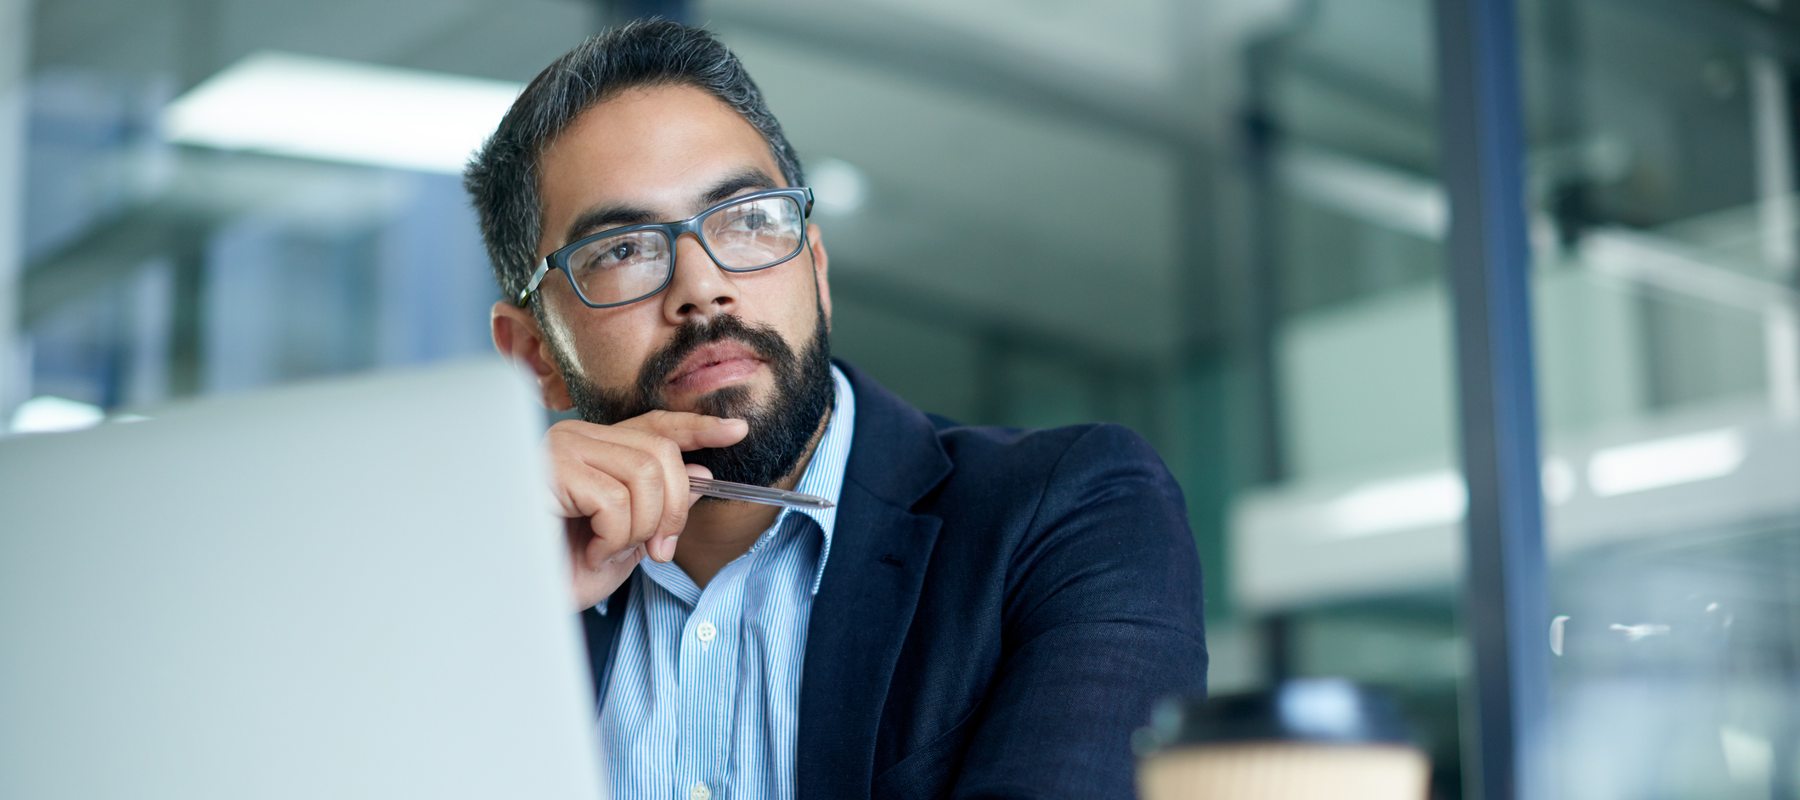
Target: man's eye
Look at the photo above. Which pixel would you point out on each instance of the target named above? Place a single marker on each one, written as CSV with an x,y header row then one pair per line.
x,y
753,220
623,251
613,255
744,221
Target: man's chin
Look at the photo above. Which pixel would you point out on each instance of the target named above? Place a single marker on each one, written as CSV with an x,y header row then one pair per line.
x,y
731,402
736,400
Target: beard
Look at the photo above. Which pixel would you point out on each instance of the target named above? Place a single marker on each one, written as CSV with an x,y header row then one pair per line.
x,y
780,429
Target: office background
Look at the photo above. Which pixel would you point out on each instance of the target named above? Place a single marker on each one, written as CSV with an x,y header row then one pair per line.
x,y
1225,224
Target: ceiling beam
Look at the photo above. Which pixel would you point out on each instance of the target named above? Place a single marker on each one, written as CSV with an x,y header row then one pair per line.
x,y
908,44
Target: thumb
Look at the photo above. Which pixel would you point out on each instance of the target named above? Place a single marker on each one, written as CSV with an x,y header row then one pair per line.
x,y
696,471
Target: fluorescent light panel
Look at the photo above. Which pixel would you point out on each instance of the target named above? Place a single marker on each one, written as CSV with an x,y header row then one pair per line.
x,y
309,107
839,187
1433,498
1426,499
1666,462
49,414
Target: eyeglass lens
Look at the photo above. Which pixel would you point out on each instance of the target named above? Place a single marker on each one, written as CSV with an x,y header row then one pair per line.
x,y
750,235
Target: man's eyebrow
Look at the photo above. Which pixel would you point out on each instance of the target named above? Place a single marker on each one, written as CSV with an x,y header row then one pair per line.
x,y
748,179
602,218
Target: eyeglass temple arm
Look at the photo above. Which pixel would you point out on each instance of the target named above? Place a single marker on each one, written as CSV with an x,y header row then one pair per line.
x,y
536,278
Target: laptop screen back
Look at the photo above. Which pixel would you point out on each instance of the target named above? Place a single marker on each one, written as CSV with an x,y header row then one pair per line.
x,y
348,589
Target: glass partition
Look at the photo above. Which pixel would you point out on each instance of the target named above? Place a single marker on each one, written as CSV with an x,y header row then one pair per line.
x,y
1663,178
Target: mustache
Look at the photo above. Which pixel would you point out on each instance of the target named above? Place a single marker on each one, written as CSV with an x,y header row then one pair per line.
x,y
761,339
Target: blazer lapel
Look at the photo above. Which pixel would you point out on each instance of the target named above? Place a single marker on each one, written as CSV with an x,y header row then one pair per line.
x,y
880,550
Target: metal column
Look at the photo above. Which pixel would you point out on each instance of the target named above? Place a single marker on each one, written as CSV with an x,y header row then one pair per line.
x,y
15,44
1506,606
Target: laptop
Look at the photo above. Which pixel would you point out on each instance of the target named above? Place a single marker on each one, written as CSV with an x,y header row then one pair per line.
x,y
350,589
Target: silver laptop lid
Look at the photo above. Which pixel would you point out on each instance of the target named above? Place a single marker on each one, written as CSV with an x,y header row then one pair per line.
x,y
348,589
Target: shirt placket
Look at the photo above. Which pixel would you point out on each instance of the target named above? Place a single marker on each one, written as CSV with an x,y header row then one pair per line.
x,y
708,676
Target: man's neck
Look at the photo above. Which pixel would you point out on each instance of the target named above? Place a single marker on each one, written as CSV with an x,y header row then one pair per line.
x,y
721,530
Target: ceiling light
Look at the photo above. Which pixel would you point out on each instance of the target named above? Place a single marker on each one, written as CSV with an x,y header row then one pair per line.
x,y
839,187
49,414
1433,498
309,107
1666,462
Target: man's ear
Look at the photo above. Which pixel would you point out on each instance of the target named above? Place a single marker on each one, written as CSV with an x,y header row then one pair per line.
x,y
821,270
518,338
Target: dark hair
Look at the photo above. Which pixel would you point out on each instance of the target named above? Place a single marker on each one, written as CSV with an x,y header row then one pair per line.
x,y
502,178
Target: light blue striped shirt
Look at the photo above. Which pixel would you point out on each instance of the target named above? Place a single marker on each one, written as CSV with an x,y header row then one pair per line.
x,y
704,695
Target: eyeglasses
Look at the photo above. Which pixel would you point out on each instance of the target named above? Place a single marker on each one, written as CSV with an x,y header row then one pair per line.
x,y
624,265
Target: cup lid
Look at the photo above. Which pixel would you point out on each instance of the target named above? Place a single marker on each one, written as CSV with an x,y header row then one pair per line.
x,y
1319,710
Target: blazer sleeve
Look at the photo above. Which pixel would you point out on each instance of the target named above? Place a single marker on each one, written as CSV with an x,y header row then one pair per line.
x,y
1102,618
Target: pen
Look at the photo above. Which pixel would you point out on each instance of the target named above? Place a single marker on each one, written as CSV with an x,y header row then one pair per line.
x,y
727,490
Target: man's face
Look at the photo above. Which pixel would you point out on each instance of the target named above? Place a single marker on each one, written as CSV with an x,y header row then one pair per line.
x,y
748,345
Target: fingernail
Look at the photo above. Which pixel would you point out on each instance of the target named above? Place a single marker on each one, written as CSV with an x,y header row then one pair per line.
x,y
669,548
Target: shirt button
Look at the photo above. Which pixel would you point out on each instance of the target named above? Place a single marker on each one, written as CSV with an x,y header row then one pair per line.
x,y
707,633
699,792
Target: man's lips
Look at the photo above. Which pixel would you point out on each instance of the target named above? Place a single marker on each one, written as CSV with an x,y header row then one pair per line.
x,y
714,365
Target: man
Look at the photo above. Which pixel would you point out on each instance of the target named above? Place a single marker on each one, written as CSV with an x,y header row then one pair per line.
x,y
984,613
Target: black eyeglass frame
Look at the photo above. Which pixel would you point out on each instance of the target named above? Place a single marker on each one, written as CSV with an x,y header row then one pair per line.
x,y
559,260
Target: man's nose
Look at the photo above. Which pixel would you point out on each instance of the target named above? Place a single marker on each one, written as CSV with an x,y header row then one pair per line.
x,y
699,289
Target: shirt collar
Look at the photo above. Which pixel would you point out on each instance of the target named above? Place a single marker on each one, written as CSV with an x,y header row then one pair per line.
x,y
824,475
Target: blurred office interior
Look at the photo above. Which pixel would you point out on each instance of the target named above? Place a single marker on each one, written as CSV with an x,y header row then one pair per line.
x,y
1221,223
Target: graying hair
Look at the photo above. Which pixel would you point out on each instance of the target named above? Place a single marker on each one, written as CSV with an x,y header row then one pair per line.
x,y
502,178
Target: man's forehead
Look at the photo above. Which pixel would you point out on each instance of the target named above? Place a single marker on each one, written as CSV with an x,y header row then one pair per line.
x,y
659,147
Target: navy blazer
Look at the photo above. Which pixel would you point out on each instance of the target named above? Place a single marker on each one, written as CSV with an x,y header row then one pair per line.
x,y
999,611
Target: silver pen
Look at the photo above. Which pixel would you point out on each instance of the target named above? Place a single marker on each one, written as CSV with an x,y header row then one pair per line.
x,y
726,490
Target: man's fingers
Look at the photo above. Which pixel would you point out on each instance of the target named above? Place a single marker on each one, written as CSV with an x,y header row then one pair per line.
x,y
652,475
583,491
599,447
629,482
646,477
598,507
600,552
674,489
695,471
662,548
689,431
630,556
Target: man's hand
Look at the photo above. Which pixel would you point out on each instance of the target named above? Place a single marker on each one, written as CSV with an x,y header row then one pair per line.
x,y
623,490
